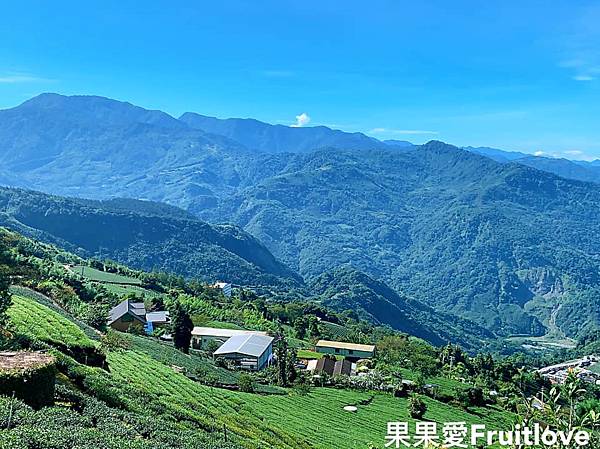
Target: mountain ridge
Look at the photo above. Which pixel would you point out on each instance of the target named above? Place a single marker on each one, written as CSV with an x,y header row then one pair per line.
x,y
154,238
455,230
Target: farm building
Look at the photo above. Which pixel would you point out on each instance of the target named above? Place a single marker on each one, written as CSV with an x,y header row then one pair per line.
x,y
201,336
248,351
351,351
129,313
330,366
225,287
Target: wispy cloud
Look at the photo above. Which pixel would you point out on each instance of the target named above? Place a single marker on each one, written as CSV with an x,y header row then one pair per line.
x,y
301,120
584,78
13,78
581,46
577,155
278,73
401,131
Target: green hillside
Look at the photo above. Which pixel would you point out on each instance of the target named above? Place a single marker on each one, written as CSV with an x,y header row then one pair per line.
x,y
42,323
144,237
506,246
114,387
500,244
348,289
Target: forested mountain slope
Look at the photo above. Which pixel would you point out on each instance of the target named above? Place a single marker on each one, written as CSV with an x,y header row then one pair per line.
x,y
146,235
570,169
346,288
499,243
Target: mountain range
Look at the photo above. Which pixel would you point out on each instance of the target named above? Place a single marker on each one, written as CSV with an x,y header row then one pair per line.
x,y
588,171
491,238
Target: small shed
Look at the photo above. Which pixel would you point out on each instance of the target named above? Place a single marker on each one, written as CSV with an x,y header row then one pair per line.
x,y
248,351
330,366
30,376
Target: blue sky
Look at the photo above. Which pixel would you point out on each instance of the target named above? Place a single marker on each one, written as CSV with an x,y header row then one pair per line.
x,y
518,75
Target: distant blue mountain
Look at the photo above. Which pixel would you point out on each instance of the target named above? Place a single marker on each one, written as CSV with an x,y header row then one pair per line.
x,y
500,244
398,143
565,168
577,170
496,154
268,138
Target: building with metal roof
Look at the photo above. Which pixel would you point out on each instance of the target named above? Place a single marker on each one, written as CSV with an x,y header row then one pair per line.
x,y
202,336
127,314
348,350
248,351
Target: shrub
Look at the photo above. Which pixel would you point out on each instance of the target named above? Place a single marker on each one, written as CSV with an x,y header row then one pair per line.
x,y
416,407
113,341
34,386
246,383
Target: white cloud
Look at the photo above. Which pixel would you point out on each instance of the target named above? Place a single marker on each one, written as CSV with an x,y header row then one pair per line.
x,y
578,155
301,120
583,78
401,131
580,45
13,78
575,155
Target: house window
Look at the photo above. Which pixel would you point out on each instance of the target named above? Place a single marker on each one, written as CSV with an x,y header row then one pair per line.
x,y
337,350
350,351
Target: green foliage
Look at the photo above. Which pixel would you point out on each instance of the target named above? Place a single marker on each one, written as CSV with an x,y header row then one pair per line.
x,y
144,237
114,341
346,288
42,323
35,385
451,229
408,352
181,327
416,407
154,396
5,296
246,383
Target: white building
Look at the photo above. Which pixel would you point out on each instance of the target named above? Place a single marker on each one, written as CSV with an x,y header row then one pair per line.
x,y
225,287
251,351
202,335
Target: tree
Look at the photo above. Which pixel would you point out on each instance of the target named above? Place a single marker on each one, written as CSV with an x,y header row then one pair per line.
x,y
416,407
300,327
281,354
313,326
246,383
181,328
211,346
5,296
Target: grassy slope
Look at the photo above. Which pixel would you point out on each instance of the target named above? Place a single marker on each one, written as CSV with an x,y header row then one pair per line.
x,y
34,319
314,420
102,276
318,417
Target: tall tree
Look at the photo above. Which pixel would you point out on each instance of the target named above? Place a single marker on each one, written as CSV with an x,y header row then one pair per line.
x,y
281,354
181,328
5,297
